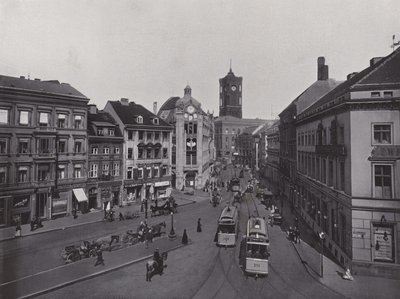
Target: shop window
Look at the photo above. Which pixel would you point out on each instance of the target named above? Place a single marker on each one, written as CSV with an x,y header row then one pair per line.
x,y
382,134
383,181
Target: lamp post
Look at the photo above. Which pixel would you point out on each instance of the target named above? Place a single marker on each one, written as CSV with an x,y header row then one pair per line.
x,y
172,235
322,236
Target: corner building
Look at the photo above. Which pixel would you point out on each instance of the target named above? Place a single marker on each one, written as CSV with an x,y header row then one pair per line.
x,y
193,150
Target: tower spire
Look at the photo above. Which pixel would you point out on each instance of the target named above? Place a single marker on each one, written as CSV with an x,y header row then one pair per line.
x,y
230,65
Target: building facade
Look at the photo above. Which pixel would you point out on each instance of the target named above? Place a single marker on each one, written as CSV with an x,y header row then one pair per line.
x,y
146,166
43,149
105,160
271,169
193,152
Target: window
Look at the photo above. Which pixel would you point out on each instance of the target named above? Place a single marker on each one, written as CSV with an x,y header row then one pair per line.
x,y
164,170
139,119
106,150
341,135
61,120
157,153
155,172
78,146
140,153
3,174
24,118
23,146
155,121
382,134
93,171
130,135
140,173
129,173
330,172
130,153
3,116
22,174
164,136
43,119
141,133
323,171
61,172
77,171
148,172
388,94
157,135
44,145
342,176
62,146
165,153
111,132
116,150
100,132
78,121
375,94
149,136
149,153
3,146
95,150
383,181
115,170
43,172
106,169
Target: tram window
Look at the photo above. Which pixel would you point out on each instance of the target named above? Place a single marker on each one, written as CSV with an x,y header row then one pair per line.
x,y
227,229
257,251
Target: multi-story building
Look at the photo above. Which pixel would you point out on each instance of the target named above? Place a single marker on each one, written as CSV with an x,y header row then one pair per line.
x,y
105,159
271,169
193,152
230,123
146,163
43,149
244,148
287,127
349,165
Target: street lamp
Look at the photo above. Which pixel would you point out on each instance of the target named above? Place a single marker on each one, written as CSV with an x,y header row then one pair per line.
x,y
322,236
172,235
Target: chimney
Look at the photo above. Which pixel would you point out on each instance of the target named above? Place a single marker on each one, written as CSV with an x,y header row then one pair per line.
x,y
322,69
155,108
22,77
124,101
351,75
374,60
92,108
37,79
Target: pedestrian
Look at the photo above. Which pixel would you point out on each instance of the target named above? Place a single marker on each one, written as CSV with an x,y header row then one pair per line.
x,y
184,237
18,230
199,225
297,233
100,260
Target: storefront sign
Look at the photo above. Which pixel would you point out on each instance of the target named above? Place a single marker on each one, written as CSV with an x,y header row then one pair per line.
x,y
160,184
383,250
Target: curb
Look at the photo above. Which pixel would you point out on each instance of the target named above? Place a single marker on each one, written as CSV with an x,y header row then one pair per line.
x,y
73,225
90,276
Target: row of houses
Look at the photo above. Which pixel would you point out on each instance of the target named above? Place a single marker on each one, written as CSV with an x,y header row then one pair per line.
x,y
60,154
335,156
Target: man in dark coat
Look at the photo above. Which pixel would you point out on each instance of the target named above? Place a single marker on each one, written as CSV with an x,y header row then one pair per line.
x,y
184,237
100,260
199,225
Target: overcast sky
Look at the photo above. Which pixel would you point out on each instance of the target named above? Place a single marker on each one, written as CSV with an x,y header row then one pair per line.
x,y
149,50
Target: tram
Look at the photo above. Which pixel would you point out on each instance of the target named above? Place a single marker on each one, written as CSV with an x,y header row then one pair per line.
x,y
235,184
228,225
254,253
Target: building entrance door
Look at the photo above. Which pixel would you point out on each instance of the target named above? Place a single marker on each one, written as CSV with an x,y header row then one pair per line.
x,y
190,179
41,205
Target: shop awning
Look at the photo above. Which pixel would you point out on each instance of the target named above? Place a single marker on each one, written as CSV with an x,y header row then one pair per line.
x,y
80,195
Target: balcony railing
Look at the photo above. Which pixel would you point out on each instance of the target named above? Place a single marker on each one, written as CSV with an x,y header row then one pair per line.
x,y
331,150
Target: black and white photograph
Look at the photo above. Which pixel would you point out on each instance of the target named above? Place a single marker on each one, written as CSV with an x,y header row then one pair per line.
x,y
199,149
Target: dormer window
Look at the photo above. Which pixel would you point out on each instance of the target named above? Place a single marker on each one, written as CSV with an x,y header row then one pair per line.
x,y
139,119
100,132
111,132
155,121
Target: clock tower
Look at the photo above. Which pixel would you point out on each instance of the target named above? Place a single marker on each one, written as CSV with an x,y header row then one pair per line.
x,y
230,95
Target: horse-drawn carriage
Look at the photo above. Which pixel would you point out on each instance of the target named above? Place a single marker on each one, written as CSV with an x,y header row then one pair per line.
x,y
215,199
169,206
73,253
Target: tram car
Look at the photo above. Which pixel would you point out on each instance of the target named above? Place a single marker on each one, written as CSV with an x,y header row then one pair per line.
x,y
235,184
228,225
254,251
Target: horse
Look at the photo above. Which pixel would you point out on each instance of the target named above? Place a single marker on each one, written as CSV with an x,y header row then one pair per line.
x,y
153,268
108,240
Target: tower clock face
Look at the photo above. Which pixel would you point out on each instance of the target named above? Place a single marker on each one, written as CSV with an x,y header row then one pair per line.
x,y
233,87
190,109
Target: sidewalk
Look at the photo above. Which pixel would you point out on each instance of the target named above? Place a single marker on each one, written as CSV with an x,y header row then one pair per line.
x,y
308,251
62,223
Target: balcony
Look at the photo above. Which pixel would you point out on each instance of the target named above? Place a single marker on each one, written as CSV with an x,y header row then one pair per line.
x,y
331,150
385,152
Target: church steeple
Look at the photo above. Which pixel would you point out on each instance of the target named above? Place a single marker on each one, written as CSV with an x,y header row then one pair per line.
x,y
188,90
230,94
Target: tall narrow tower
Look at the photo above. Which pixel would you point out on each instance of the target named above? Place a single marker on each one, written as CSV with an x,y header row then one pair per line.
x,y
230,95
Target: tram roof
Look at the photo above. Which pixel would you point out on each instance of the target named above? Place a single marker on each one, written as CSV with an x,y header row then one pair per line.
x,y
228,212
256,227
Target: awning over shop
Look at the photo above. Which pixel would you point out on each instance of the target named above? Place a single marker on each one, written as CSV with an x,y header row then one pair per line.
x,y
80,195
